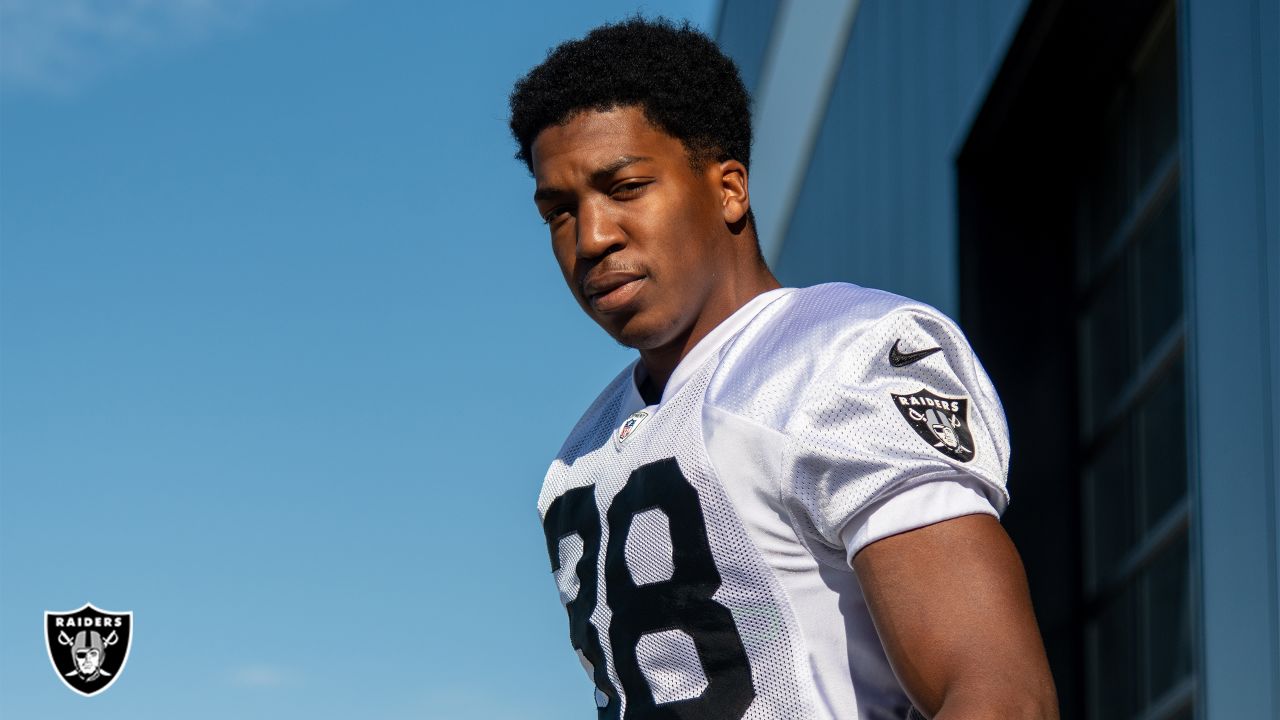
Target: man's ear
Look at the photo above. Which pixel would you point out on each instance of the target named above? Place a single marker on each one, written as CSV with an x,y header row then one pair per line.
x,y
735,200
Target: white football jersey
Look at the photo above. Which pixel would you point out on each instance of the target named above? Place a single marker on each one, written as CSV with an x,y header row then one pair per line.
x,y
702,545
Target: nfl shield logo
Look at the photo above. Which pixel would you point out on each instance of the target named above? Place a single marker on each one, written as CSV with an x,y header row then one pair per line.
x,y
88,647
629,427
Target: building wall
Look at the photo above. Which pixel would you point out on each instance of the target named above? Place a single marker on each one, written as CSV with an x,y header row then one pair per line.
x,y
877,204
743,30
1231,76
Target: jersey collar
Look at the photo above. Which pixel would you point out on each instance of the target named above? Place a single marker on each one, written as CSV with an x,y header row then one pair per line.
x,y
710,344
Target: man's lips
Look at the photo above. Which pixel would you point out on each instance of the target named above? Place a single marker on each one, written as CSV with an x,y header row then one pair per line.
x,y
611,291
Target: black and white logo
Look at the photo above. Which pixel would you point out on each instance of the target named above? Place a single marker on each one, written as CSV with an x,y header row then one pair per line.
x,y
88,647
898,359
942,421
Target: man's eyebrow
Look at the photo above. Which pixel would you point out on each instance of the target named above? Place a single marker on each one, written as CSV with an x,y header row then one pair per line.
x,y
613,167
546,193
602,173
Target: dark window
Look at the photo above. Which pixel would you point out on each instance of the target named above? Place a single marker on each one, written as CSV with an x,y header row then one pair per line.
x,y
1132,419
1071,291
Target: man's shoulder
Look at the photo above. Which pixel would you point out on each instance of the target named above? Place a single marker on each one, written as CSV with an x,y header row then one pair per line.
x,y
809,322
766,372
843,306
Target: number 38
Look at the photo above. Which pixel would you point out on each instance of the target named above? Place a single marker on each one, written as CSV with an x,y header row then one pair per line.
x,y
684,602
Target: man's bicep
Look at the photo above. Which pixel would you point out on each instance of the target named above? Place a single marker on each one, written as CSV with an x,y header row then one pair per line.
x,y
950,603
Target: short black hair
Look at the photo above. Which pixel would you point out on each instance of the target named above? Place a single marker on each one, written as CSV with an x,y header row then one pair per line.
x,y
675,74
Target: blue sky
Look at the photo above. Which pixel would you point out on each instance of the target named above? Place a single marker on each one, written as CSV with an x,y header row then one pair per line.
x,y
283,356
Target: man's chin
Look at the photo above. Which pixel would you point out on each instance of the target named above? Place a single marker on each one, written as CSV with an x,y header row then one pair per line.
x,y
629,335
643,336
633,343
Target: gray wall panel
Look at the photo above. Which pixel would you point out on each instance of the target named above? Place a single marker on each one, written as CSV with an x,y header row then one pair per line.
x,y
743,32
1269,132
1228,59
877,205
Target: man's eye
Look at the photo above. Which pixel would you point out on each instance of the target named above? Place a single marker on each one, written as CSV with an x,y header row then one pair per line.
x,y
629,189
554,214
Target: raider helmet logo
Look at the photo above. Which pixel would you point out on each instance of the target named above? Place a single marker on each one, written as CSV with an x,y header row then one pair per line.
x,y
943,422
88,647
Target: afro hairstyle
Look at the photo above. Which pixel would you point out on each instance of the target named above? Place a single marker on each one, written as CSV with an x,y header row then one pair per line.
x,y
675,74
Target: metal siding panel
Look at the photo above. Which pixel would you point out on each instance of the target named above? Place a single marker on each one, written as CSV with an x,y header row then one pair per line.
x,y
971,54
877,204
890,149
876,237
896,170
851,255
911,213
1268,29
942,195
807,53
1231,358
862,227
849,241
744,31
823,239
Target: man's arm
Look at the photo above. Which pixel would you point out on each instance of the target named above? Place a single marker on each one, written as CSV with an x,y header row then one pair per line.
x,y
951,605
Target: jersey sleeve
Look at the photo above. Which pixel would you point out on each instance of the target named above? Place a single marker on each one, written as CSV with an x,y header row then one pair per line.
x,y
917,506
895,405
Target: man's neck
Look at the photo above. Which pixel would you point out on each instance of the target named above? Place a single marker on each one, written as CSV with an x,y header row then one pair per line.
x,y
650,392
659,363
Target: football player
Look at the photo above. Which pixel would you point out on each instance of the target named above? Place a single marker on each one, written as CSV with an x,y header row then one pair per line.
x,y
787,506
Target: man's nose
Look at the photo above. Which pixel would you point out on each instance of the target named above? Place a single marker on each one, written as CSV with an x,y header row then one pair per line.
x,y
598,232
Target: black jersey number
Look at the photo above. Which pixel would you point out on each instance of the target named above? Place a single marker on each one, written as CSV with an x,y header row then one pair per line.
x,y
682,603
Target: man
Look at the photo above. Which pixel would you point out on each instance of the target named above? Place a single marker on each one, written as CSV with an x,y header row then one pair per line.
x,y
787,507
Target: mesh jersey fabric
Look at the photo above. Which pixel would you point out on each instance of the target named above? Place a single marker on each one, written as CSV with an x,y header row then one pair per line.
x,y
701,546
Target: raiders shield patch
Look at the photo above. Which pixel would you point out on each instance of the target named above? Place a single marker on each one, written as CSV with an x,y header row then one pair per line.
x,y
943,422
88,647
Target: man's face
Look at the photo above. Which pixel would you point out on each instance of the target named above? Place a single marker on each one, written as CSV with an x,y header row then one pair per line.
x,y
633,226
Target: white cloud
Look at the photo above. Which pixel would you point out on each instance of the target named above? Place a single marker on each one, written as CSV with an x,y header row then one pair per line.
x,y
263,676
55,46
